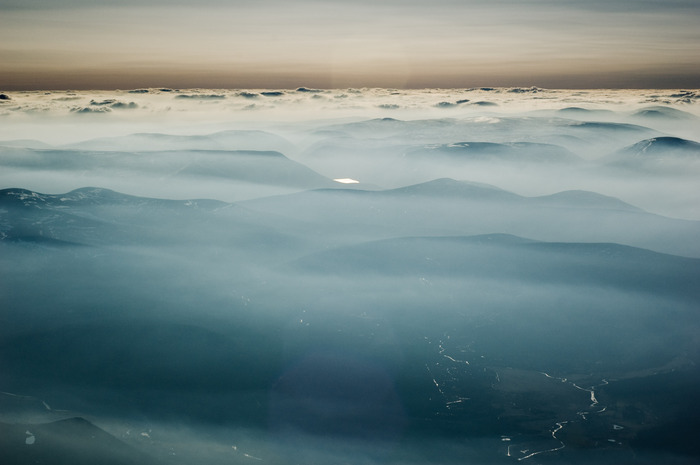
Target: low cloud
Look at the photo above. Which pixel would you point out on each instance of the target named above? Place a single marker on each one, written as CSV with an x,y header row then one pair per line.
x,y
307,90
124,105
84,110
528,90
103,102
201,96
248,95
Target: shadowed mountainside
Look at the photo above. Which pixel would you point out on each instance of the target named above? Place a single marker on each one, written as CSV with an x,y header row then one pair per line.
x,y
74,441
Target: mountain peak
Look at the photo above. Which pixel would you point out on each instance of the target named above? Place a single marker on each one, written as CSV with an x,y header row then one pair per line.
x,y
586,199
491,151
448,187
663,112
663,146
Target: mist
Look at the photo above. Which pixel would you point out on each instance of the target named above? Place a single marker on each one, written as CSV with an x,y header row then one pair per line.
x,y
369,276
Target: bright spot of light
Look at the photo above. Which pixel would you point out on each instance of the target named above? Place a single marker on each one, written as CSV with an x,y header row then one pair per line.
x,y
347,181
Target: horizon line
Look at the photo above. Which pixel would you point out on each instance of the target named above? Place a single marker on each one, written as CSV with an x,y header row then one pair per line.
x,y
304,88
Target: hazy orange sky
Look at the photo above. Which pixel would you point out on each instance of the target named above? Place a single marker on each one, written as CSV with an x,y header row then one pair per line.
x,y
101,44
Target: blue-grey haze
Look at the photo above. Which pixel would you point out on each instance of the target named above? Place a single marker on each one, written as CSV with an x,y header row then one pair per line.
x,y
351,276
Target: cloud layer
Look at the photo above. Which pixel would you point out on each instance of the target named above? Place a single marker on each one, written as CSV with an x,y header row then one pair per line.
x,y
189,275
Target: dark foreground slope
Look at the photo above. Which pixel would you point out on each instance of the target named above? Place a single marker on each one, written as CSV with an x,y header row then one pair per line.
x,y
74,441
324,335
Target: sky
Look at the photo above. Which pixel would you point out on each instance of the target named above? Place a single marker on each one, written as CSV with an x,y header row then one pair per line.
x,y
102,44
